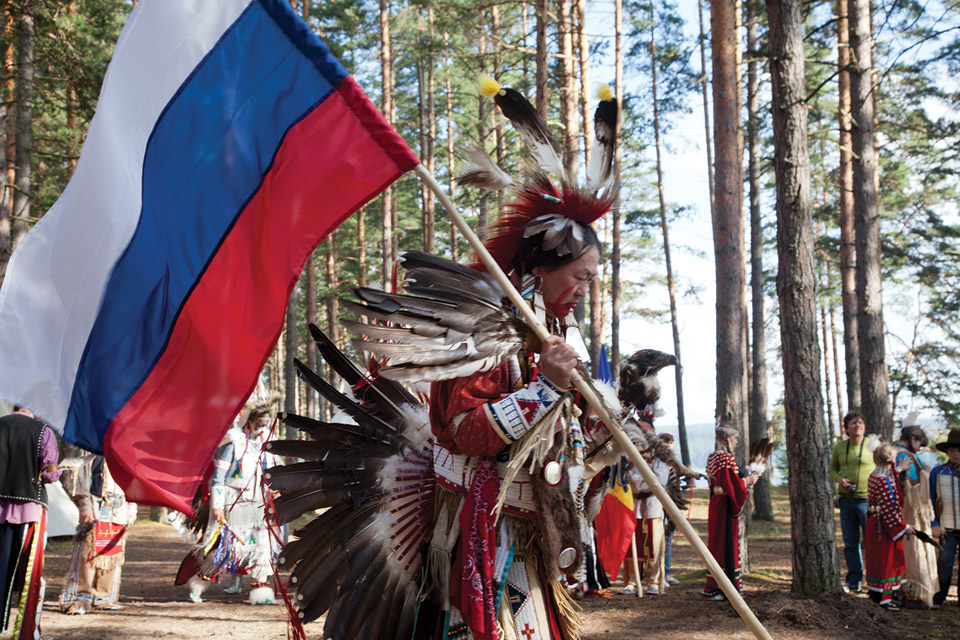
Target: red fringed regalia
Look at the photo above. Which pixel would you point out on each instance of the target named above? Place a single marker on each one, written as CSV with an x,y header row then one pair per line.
x,y
728,496
884,567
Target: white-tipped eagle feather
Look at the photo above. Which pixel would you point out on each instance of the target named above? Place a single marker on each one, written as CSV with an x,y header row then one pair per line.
x,y
450,322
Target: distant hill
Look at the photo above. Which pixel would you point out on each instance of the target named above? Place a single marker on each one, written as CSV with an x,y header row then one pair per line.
x,y
700,440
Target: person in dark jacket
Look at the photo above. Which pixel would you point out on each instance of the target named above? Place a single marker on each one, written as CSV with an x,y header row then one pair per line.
x,y
28,460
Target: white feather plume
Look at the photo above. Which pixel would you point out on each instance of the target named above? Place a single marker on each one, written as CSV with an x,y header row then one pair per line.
x,y
481,171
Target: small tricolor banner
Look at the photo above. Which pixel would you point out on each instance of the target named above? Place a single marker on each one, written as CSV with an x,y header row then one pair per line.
x,y
139,311
615,523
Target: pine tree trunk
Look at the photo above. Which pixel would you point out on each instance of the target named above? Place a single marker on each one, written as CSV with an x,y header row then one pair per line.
x,y
727,217
874,382
498,132
72,151
604,277
525,30
289,353
836,358
310,298
451,156
429,135
10,147
4,199
813,533
361,249
831,431
568,93
704,87
4,193
848,236
759,427
583,59
483,217
24,113
274,361
386,199
426,195
394,213
541,15
615,215
595,295
333,304
744,448
742,454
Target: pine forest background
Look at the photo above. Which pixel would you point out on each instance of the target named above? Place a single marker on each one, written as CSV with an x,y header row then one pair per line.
x,y
850,105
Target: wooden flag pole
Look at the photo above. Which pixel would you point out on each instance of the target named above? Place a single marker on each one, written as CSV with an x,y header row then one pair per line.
x,y
586,391
636,564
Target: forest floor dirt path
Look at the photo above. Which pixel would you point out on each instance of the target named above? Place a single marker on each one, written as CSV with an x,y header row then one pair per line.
x,y
155,608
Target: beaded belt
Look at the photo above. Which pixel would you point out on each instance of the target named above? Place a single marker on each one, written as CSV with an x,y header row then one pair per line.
x,y
455,471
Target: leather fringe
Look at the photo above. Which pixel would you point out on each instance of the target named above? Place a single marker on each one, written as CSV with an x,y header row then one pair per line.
x,y
568,611
446,531
106,563
525,534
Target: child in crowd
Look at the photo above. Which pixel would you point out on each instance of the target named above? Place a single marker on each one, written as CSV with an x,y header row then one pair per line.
x,y
883,548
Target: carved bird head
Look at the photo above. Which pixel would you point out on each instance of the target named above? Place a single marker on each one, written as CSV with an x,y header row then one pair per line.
x,y
638,377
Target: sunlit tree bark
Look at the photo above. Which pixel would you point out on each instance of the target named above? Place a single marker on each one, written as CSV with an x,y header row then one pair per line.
x,y
813,536
874,380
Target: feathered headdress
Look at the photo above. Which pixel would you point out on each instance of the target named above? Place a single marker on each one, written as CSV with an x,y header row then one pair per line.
x,y
262,402
539,205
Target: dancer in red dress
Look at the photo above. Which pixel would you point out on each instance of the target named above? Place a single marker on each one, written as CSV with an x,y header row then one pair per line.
x,y
885,569
728,497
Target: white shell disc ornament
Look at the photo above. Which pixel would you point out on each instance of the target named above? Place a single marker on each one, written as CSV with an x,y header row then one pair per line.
x,y
552,473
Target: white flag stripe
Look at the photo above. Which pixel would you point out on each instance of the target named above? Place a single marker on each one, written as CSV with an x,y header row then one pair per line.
x,y
55,280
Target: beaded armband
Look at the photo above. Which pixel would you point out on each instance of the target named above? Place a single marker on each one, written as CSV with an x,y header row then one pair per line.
x,y
513,415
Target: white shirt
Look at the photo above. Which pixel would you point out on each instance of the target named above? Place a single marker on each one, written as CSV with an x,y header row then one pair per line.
x,y
653,506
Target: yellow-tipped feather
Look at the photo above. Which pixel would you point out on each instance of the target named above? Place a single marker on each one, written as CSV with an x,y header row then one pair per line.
x,y
604,92
488,86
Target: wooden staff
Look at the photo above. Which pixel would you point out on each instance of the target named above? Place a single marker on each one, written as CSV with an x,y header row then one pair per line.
x,y
636,564
586,391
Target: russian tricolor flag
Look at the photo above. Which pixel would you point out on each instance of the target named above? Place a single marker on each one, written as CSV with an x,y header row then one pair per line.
x,y
139,311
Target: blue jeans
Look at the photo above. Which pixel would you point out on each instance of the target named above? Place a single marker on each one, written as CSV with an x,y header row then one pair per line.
x,y
853,522
951,541
668,554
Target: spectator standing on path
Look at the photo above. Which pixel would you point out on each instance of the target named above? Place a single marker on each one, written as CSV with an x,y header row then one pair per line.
x,y
93,577
883,544
945,495
675,490
850,467
920,557
728,497
28,460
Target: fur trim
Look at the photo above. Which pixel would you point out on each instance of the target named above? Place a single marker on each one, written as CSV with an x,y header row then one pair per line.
x,y
758,468
262,595
557,514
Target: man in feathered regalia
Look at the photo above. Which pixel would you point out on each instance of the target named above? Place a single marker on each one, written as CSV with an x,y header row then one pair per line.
x,y
477,500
